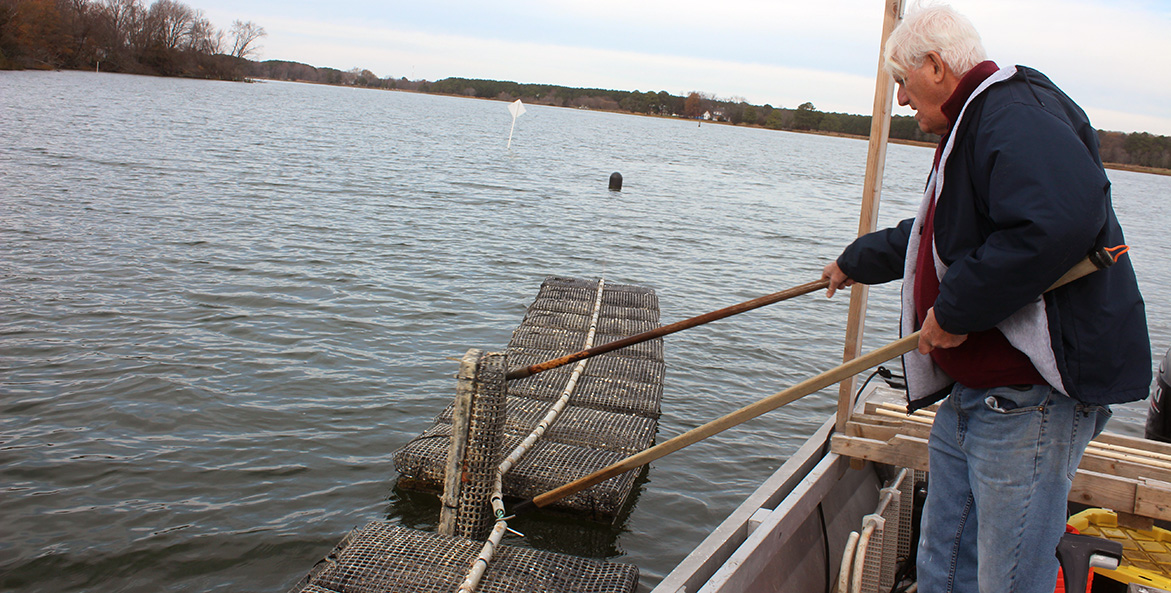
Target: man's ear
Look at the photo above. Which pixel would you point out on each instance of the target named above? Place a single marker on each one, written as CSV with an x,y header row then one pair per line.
x,y
938,68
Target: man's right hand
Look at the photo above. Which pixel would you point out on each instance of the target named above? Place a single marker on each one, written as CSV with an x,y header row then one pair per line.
x,y
837,279
932,336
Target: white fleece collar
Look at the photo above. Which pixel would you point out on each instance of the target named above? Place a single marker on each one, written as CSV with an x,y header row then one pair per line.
x,y
1027,329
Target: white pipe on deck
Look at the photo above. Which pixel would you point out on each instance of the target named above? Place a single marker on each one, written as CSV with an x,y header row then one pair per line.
x,y
870,523
847,563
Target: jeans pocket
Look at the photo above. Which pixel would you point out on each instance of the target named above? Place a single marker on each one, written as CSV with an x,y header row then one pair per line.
x,y
1010,400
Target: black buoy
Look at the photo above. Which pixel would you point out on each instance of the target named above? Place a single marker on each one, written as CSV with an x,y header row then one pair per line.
x,y
615,181
1159,417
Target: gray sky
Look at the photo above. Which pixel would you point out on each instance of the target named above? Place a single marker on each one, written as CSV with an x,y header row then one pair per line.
x,y
1112,56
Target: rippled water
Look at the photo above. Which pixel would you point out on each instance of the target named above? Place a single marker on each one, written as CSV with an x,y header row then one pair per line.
x,y
224,306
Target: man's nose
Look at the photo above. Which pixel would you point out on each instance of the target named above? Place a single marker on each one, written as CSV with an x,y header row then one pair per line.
x,y
902,96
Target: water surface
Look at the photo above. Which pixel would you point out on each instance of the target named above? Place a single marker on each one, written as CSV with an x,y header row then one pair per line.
x,y
224,306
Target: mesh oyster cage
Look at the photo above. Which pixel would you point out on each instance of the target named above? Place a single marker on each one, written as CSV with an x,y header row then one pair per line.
x,y
612,413
384,558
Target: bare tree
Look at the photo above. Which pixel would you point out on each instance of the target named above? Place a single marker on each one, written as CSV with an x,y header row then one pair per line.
x,y
170,23
203,37
244,35
124,17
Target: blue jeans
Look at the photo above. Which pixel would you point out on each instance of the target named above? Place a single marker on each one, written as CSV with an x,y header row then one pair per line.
x,y
1002,461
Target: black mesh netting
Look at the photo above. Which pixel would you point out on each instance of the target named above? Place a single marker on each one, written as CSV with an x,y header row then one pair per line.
x,y
385,558
613,412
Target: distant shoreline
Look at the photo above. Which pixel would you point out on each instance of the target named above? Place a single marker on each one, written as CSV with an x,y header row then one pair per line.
x,y
1114,166
1137,169
1108,165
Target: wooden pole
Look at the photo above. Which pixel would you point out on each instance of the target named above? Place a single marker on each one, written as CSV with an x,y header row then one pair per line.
x,y
756,303
871,191
461,418
474,451
772,402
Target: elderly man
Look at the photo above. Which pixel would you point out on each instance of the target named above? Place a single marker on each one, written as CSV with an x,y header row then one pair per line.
x,y
1017,195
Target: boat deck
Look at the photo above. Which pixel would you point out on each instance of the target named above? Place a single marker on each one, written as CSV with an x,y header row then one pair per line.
x,y
780,540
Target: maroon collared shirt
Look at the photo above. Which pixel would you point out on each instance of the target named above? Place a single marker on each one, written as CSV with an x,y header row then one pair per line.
x,y
986,359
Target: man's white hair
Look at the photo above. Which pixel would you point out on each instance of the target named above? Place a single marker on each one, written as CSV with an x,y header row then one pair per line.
x,y
937,28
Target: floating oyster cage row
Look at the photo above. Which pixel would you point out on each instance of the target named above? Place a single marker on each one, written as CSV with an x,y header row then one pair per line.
x,y
612,413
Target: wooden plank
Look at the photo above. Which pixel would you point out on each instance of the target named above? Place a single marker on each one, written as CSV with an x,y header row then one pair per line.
x,y
1122,495
871,423
915,418
871,193
1148,447
901,410
884,432
872,408
1090,488
1122,469
1152,498
1103,490
1129,475
877,420
1152,467
1129,460
1097,483
867,430
1132,521
901,451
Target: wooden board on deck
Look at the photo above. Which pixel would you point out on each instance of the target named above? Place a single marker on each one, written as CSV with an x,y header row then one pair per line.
x,y
1125,474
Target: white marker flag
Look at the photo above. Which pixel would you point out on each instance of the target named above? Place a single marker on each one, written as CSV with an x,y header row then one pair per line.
x,y
517,109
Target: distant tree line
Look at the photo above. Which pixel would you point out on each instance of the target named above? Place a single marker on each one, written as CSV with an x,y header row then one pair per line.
x,y
165,38
1142,149
170,38
298,72
695,105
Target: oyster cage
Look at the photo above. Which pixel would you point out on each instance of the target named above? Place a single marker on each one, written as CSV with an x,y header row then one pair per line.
x,y
384,558
612,413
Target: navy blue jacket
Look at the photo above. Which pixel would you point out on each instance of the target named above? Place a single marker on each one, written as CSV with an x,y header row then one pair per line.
x,y
1025,198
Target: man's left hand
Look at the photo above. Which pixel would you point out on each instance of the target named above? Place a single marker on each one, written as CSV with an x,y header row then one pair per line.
x,y
931,336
